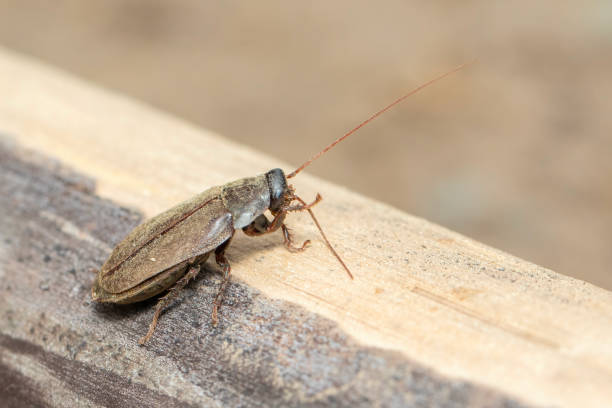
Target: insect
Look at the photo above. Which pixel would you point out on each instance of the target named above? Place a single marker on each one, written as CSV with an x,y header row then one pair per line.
x,y
167,251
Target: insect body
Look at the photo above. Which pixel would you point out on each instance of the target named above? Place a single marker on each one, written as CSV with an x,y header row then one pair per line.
x,y
166,252
168,249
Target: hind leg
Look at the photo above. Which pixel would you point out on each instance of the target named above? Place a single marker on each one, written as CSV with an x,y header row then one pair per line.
x,y
169,297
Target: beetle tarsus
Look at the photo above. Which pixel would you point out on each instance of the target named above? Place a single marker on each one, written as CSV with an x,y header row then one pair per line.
x,y
169,297
289,241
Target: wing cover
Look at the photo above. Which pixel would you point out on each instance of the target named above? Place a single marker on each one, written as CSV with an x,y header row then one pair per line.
x,y
191,228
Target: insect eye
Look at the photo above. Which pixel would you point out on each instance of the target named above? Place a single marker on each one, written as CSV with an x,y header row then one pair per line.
x,y
277,184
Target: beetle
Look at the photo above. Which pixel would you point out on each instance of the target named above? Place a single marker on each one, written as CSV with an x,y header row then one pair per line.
x,y
165,252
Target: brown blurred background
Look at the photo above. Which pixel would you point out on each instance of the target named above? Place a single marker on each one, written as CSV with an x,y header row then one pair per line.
x,y
513,151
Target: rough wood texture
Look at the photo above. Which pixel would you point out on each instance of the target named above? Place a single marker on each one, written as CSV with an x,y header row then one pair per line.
x,y
432,317
264,352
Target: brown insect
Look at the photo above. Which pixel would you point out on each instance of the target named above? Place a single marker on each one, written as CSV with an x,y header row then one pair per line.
x,y
166,252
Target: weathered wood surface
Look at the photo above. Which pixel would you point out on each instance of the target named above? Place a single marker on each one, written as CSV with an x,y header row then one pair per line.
x,y
432,318
54,230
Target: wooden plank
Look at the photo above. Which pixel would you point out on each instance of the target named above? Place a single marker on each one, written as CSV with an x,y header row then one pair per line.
x,y
431,315
62,349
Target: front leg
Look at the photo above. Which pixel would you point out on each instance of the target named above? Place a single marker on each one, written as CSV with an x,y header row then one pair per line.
x,y
261,225
289,241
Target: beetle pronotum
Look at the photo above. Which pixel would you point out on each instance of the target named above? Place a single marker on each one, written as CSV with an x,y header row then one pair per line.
x,y
166,251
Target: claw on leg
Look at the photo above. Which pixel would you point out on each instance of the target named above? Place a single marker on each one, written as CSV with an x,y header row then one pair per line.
x,y
289,241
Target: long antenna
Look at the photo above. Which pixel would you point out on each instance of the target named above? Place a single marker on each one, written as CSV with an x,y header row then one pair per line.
x,y
329,245
374,116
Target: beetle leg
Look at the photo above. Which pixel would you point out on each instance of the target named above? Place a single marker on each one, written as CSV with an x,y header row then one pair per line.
x,y
261,225
169,297
289,241
223,262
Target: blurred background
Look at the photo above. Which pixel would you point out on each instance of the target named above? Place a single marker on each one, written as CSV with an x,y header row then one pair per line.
x,y
514,151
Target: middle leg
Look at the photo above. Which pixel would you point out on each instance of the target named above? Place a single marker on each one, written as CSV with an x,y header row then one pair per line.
x,y
169,297
223,262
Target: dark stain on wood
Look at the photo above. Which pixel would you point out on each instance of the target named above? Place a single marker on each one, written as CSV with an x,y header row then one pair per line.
x,y
18,390
100,386
54,230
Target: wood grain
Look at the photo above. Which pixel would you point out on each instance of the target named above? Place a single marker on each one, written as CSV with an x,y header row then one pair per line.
x,y
64,350
423,296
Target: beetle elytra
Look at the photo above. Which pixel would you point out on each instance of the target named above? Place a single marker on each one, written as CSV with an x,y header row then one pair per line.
x,y
165,252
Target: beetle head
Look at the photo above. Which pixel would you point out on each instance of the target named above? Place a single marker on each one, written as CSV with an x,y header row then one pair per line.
x,y
277,184
281,196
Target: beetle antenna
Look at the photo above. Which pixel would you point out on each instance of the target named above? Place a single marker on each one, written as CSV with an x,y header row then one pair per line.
x,y
329,245
371,118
